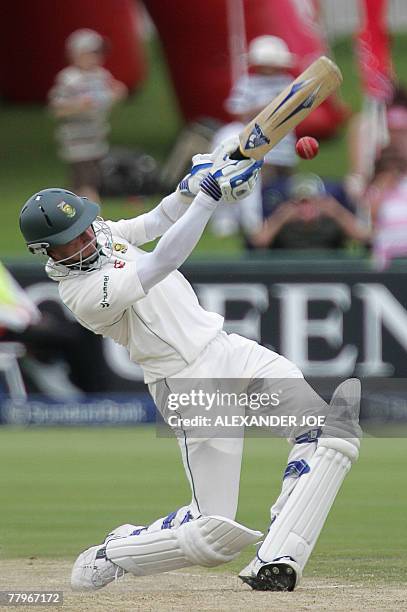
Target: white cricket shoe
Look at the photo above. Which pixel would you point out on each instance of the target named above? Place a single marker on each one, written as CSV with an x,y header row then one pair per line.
x,y
92,570
284,574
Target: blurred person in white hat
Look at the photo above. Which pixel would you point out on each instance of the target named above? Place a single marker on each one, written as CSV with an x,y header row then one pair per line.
x,y
269,60
270,52
81,99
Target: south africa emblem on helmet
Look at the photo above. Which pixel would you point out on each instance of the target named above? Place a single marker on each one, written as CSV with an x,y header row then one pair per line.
x,y
66,208
119,248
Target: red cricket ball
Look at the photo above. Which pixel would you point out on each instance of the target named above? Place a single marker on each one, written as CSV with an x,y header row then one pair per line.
x,y
307,147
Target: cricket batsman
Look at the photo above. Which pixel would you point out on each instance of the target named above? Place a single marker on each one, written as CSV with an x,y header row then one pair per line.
x,y
141,301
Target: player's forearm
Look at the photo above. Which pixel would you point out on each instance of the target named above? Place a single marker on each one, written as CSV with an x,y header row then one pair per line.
x,y
163,216
177,243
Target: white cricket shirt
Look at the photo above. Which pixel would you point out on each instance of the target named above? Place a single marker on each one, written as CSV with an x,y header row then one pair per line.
x,y
164,330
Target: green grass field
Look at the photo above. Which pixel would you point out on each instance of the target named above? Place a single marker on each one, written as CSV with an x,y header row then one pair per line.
x,y
63,489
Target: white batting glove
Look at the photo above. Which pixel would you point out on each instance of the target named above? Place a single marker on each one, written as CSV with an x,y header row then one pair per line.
x,y
190,184
232,179
225,148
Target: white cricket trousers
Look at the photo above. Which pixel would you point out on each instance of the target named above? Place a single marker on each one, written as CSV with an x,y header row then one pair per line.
x,y
213,464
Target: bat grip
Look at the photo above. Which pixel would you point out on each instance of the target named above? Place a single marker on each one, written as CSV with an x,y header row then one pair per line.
x,y
238,155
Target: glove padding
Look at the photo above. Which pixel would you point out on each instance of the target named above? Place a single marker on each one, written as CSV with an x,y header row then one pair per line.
x,y
225,148
236,178
201,166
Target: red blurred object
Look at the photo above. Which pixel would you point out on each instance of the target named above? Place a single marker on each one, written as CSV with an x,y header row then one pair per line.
x,y
195,40
194,35
373,49
293,21
32,37
307,147
298,24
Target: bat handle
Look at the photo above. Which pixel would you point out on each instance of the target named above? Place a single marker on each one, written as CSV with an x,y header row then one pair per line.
x,y
238,155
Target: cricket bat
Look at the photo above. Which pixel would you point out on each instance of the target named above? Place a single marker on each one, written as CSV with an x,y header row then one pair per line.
x,y
288,109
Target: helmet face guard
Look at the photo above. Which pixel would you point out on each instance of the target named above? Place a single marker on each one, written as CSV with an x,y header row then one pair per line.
x,y
76,264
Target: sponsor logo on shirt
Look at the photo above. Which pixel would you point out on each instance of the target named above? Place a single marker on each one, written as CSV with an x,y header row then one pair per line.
x,y
66,208
119,264
119,248
104,303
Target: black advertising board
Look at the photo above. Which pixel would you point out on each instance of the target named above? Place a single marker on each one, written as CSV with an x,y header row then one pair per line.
x,y
333,319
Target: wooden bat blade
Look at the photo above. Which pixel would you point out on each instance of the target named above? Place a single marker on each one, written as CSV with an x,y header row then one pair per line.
x,y
289,108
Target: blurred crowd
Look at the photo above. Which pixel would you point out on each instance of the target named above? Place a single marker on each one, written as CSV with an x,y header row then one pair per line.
x,y
288,210
293,210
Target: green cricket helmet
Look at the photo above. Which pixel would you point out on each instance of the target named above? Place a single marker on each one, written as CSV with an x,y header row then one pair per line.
x,y
53,217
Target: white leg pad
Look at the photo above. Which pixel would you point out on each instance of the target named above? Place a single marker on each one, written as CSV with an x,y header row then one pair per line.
x,y
296,529
207,541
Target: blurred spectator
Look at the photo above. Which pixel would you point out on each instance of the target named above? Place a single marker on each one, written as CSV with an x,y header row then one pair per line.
x,y
391,128
280,189
387,199
81,99
17,313
62,360
311,218
397,121
269,60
